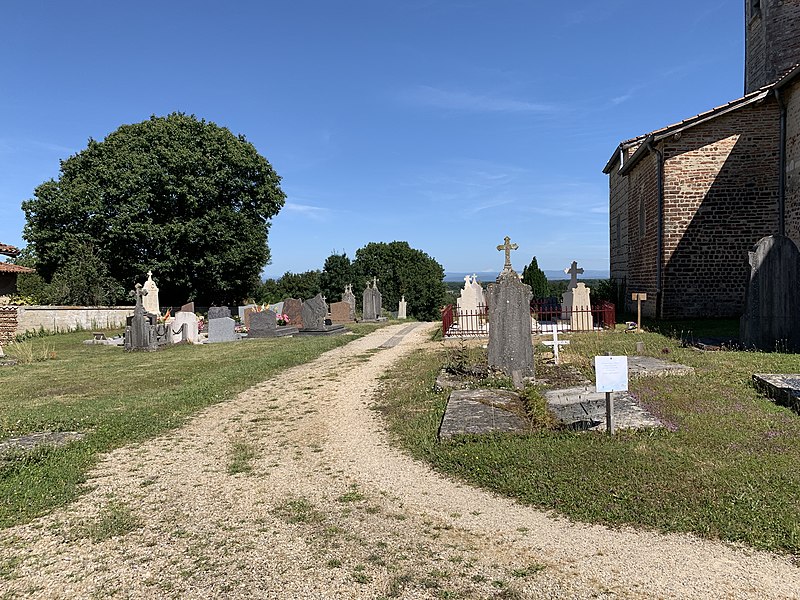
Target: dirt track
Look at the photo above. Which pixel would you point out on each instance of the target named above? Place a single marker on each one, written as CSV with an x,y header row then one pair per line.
x,y
332,511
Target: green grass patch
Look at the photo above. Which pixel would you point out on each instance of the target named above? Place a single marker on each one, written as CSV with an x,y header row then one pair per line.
x,y
298,510
242,454
116,519
118,398
724,466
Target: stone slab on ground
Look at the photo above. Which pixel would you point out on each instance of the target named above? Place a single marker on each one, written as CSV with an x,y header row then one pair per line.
x,y
33,440
784,389
329,330
480,412
585,409
645,366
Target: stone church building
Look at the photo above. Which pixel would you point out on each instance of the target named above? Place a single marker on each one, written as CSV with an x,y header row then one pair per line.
x,y
688,201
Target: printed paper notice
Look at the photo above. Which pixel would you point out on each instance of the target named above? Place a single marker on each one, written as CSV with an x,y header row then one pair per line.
x,y
612,373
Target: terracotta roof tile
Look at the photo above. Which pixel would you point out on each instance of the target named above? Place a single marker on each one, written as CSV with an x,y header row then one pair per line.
x,y
8,250
9,268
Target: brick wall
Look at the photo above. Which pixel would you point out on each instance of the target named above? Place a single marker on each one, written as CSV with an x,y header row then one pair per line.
x,y
772,41
791,97
642,228
8,324
618,227
720,198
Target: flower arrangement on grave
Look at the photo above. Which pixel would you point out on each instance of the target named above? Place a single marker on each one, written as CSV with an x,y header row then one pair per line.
x,y
282,319
200,324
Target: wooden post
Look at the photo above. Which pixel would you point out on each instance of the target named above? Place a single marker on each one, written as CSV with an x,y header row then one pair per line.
x,y
639,297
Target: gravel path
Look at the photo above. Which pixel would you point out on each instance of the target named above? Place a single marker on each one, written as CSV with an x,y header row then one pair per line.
x,y
330,510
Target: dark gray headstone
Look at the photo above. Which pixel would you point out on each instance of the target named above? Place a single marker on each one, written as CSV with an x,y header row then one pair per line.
x,y
218,312
314,312
262,324
510,347
140,332
771,319
372,303
188,307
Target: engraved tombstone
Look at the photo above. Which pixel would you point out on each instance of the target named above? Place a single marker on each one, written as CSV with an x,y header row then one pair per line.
x,y
150,300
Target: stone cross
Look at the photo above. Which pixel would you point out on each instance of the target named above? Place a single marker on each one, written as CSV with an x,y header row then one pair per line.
x,y
375,281
556,343
573,271
138,293
508,247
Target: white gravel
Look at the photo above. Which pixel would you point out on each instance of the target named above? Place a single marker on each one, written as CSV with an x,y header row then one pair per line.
x,y
331,510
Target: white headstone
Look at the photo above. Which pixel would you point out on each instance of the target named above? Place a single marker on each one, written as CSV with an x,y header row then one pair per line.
x,y
573,272
577,307
190,319
468,301
150,301
477,289
401,308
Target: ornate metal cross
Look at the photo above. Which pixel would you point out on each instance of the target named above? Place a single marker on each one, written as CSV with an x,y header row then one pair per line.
x,y
508,247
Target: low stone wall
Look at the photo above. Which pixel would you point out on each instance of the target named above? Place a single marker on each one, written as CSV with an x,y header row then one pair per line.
x,y
70,318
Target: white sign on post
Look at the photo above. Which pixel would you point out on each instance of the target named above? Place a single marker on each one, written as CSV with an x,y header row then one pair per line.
x,y
612,373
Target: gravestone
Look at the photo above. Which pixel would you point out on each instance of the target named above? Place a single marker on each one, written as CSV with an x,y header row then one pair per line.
x,y
314,313
349,297
189,320
247,314
342,312
139,332
264,324
150,300
472,297
510,346
219,312
222,329
401,308
577,306
277,308
243,310
373,302
188,307
771,319
293,308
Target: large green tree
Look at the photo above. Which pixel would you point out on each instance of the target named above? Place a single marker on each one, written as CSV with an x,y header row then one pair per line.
x,y
336,274
180,196
535,277
402,270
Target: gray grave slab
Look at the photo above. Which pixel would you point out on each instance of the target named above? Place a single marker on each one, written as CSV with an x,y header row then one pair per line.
x,y
241,310
41,438
645,366
264,324
222,330
783,388
481,412
585,409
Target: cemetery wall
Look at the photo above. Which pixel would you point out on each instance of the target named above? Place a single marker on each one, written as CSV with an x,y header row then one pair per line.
x,y
791,98
720,198
69,318
772,44
8,324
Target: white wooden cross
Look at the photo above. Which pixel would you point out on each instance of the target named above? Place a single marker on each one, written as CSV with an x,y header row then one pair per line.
x,y
556,343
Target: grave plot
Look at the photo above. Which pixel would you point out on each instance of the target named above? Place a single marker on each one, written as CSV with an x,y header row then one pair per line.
x,y
784,389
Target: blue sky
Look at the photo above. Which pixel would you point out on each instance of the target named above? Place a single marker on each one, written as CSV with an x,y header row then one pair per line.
x,y
445,123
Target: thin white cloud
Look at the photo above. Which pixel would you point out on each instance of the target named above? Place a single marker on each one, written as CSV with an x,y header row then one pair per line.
x,y
317,213
486,205
424,95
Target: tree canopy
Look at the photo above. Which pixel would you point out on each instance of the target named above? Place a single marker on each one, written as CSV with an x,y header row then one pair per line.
x,y
402,270
535,277
182,197
336,274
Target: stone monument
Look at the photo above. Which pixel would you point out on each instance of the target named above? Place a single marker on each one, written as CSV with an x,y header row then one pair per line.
x,y
293,308
576,305
218,312
264,324
150,300
222,329
342,312
510,346
139,332
771,319
315,322
401,308
372,302
349,297
188,320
